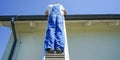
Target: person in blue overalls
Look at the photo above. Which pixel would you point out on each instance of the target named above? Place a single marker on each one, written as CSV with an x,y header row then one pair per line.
x,y
54,38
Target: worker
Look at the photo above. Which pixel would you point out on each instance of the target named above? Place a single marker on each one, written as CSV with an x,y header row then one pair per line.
x,y
55,34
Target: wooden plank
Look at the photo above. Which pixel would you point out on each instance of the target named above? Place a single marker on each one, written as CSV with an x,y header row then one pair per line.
x,y
54,56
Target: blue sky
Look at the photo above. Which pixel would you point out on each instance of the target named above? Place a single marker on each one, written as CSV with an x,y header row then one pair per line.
x,y
37,7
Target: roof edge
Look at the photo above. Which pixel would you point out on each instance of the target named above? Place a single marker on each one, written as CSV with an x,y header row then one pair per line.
x,y
67,17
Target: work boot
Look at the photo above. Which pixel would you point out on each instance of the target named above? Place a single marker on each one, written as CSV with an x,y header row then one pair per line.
x,y
59,51
49,50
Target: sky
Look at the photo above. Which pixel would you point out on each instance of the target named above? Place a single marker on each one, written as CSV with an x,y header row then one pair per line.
x,y
38,7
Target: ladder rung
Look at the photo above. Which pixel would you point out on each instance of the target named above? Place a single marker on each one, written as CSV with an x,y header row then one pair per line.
x,y
54,56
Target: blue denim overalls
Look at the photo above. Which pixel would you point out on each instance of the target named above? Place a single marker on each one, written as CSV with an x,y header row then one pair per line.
x,y
55,37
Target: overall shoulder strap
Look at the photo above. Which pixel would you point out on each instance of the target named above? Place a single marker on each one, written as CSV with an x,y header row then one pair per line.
x,y
56,9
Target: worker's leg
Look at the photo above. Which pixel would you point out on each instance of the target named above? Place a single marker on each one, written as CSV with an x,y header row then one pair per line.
x,y
60,38
50,33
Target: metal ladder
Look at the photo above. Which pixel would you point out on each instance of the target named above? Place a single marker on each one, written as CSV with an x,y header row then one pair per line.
x,y
63,56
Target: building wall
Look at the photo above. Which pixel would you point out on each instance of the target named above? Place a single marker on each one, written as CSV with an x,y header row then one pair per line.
x,y
94,46
99,40
30,46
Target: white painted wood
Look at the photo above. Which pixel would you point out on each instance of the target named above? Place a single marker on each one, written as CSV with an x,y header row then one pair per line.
x,y
66,51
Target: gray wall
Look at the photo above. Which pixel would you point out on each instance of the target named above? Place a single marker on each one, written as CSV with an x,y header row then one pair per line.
x,y
82,46
94,46
30,47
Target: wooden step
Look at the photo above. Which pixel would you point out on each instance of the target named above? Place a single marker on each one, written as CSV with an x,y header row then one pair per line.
x,y
54,55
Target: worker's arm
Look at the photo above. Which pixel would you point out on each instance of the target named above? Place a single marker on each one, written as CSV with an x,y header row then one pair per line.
x,y
46,13
65,12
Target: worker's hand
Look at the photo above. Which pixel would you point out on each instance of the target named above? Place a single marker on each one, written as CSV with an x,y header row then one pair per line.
x,y
64,12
